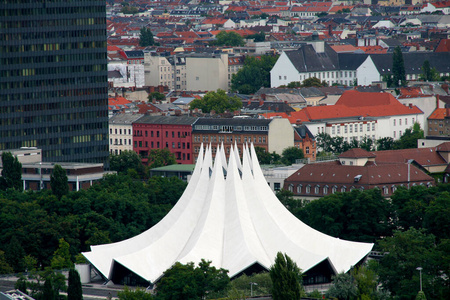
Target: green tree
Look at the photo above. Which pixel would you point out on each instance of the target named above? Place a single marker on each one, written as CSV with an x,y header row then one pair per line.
x,y
74,290
218,101
5,268
254,74
264,157
136,294
11,173
146,37
161,157
386,143
367,143
343,287
313,82
126,160
366,281
291,154
428,73
257,37
398,68
59,182
404,252
21,284
61,257
129,10
409,137
157,96
48,292
286,278
421,296
230,38
189,282
294,84
15,254
260,284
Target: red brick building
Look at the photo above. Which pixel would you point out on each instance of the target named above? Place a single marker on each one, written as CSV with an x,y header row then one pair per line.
x,y
159,132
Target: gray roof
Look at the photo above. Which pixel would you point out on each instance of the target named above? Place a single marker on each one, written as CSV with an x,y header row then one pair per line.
x,y
413,62
239,124
182,120
311,92
351,61
306,59
124,119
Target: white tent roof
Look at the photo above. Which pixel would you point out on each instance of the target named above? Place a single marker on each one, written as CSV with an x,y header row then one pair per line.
x,y
230,216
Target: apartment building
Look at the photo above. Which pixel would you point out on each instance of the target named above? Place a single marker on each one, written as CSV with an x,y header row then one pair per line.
x,y
274,135
164,132
165,69
121,132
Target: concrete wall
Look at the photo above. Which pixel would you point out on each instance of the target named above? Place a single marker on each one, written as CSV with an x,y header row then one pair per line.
x,y
281,135
283,72
207,73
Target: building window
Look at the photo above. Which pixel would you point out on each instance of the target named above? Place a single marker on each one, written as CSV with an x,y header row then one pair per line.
x,y
368,127
308,189
361,127
317,189
276,186
291,188
334,189
339,129
307,150
345,129
394,122
333,130
299,189
173,145
343,189
351,128
325,190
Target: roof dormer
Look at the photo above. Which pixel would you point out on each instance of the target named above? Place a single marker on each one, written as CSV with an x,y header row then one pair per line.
x,y
356,157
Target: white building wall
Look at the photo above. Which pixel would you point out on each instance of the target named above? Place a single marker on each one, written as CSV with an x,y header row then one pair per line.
x,y
283,72
367,72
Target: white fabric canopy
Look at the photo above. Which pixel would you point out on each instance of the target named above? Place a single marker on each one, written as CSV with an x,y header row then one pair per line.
x,y
229,215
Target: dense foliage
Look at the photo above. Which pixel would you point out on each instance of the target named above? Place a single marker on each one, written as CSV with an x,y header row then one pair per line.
x,y
230,38
254,74
217,101
11,173
146,37
286,278
32,223
59,182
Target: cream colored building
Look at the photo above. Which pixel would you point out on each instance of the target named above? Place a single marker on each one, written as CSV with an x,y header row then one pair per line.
x,y
121,132
165,70
281,135
207,72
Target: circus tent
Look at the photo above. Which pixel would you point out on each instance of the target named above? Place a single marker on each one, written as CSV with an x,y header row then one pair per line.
x,y
229,215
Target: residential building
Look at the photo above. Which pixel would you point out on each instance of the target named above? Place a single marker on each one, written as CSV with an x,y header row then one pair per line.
x,y
165,69
357,115
355,169
317,59
304,139
164,132
53,79
120,132
438,122
274,135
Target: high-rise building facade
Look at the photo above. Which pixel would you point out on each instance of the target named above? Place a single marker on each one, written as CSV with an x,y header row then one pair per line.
x,y
53,78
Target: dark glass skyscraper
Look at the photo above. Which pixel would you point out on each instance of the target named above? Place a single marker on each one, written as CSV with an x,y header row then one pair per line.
x,y
53,78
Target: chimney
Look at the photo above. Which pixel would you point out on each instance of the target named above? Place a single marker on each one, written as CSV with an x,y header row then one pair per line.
x,y
330,30
261,102
263,96
249,102
410,105
437,101
447,110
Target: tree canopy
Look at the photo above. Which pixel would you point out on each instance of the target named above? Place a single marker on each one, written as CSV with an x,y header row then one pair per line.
x,y
59,181
160,158
127,159
157,96
190,282
286,278
217,101
291,154
254,74
398,68
146,37
230,38
11,173
429,73
74,290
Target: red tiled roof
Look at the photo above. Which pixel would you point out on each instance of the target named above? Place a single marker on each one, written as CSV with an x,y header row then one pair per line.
x,y
379,174
423,156
444,147
438,114
357,153
443,46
